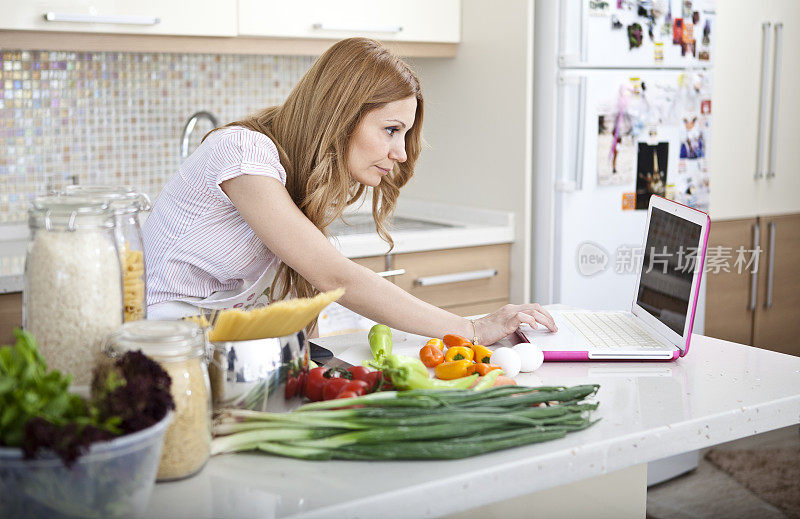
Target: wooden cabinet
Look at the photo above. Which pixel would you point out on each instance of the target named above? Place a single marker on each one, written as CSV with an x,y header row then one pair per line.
x,y
411,20
159,17
10,316
754,154
756,306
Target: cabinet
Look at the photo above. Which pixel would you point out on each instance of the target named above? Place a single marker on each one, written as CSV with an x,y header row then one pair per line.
x,y
10,316
757,304
754,158
160,17
411,20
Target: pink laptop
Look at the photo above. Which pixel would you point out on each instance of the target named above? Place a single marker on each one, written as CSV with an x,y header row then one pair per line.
x,y
659,323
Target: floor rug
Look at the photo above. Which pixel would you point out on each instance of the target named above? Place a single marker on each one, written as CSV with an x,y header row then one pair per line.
x,y
772,474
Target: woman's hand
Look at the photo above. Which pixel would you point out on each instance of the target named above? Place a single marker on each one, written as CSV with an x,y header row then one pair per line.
x,y
507,319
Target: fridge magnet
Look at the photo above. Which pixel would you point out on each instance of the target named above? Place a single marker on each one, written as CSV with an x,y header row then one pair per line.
x,y
651,172
705,106
658,50
696,17
692,141
677,31
634,36
615,23
628,201
687,9
616,147
599,8
667,27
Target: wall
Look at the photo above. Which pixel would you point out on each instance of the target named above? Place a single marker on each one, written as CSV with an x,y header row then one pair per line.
x,y
478,122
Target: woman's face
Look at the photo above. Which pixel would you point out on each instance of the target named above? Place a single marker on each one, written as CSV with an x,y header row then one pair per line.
x,y
380,141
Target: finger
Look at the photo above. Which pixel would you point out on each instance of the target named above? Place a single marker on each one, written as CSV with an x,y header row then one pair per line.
x,y
548,321
534,306
522,317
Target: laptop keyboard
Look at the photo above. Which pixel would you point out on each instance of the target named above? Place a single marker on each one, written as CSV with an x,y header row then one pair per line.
x,y
611,330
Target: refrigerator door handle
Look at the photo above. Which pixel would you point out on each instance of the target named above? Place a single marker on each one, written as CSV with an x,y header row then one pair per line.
x,y
762,104
754,272
776,83
575,181
573,39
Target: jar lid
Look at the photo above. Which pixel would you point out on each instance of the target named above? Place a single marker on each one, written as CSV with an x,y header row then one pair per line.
x,y
123,199
174,340
60,213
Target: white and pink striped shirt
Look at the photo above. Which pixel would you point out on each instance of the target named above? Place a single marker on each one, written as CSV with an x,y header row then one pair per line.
x,y
196,242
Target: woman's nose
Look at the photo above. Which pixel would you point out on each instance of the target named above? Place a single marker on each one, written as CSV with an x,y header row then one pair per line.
x,y
398,152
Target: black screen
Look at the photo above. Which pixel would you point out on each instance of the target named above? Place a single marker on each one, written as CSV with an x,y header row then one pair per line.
x,y
671,257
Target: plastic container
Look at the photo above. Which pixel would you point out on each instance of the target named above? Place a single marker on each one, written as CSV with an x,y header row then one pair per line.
x,y
114,479
72,297
126,205
180,348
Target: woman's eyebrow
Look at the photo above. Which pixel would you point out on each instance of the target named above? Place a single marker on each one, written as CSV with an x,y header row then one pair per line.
x,y
398,121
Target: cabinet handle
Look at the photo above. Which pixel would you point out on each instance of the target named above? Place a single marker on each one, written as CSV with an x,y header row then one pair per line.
x,y
770,265
754,272
391,273
456,277
776,83
94,18
354,28
762,104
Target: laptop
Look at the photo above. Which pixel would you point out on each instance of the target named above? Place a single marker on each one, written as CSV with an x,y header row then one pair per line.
x,y
659,323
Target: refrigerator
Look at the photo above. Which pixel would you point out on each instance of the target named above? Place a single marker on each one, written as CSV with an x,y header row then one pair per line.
x,y
623,110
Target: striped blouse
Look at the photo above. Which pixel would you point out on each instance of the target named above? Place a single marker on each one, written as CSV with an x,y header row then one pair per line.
x,y
196,242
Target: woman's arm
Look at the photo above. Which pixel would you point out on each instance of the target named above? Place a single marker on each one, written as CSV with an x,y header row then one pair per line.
x,y
267,207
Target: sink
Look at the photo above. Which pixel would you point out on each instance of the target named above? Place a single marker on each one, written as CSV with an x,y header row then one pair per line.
x,y
364,224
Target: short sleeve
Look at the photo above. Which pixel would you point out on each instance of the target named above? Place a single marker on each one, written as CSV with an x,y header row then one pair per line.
x,y
240,151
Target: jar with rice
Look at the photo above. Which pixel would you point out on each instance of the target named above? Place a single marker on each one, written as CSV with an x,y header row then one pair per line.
x,y
180,348
126,204
72,297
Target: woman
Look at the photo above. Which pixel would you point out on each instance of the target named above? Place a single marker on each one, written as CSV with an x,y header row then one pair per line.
x,y
246,214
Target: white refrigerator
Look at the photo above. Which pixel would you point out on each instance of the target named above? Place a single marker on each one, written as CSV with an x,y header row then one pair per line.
x,y
623,110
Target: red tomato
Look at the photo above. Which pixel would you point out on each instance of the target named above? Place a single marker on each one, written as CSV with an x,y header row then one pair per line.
x,y
292,386
374,378
315,383
358,387
359,372
346,394
333,387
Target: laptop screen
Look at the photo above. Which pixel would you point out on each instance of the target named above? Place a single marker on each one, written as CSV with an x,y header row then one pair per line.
x,y
670,260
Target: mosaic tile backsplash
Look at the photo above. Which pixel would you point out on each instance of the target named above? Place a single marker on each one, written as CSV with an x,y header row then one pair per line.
x,y
106,117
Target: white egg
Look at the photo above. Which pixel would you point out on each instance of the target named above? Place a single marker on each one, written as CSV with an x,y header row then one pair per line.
x,y
508,360
531,356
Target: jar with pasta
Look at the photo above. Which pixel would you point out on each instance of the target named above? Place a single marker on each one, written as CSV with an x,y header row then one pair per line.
x,y
180,347
72,296
126,204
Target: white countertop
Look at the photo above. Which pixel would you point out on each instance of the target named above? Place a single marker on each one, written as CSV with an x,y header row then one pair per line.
x,y
466,227
719,392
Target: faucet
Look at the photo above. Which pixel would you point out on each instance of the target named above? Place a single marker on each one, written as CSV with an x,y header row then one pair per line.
x,y
188,128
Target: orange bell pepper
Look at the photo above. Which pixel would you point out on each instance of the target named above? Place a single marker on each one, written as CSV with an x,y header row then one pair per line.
x,y
436,343
431,356
456,340
482,353
458,353
481,368
452,370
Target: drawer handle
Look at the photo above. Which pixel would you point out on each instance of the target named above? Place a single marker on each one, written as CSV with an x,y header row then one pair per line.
x,y
352,28
391,273
93,18
456,277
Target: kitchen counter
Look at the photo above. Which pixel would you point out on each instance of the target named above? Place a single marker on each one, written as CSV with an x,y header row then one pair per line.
x,y
719,392
422,226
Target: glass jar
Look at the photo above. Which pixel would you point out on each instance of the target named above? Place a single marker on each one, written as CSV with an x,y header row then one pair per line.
x,y
72,297
126,204
179,347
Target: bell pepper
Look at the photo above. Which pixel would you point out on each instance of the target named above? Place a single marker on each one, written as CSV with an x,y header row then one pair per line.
x,y
458,353
409,373
431,356
481,368
436,343
453,370
482,353
456,340
380,341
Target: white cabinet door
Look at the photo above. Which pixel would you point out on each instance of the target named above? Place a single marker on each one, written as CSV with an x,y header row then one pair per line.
x,y
163,17
780,188
735,107
410,20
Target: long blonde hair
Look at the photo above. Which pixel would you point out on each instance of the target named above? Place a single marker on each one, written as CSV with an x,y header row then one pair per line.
x,y
312,131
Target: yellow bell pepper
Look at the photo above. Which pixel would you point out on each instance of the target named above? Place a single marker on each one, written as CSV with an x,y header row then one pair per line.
x,y
436,343
458,353
452,370
482,353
